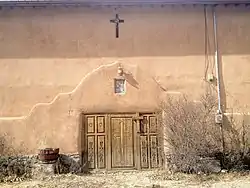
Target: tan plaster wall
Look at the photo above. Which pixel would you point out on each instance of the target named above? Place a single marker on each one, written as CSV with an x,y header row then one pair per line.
x,y
50,125
47,52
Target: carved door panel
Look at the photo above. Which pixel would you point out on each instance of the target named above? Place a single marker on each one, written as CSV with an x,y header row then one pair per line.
x,y
122,142
149,142
95,130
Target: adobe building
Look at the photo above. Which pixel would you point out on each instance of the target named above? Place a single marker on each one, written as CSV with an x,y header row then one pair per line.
x,y
88,76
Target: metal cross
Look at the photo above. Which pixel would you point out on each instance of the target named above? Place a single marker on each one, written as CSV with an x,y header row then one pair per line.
x,y
117,21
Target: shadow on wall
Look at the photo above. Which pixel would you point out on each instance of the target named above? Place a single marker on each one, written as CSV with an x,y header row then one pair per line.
x,y
169,31
131,80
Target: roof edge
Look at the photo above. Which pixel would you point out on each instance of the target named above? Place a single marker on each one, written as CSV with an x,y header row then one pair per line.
x,y
120,3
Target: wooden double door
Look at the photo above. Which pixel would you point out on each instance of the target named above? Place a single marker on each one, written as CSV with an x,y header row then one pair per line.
x,y
127,141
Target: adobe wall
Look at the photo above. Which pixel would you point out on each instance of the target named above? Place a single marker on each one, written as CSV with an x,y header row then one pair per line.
x,y
57,124
53,50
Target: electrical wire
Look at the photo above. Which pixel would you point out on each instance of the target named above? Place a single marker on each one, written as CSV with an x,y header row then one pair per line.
x,y
209,65
206,41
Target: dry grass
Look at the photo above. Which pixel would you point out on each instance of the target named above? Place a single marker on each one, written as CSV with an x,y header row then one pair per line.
x,y
138,179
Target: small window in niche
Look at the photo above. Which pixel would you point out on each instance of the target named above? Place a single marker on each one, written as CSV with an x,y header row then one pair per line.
x,y
120,85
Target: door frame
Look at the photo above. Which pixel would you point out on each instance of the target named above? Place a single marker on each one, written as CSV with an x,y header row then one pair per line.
x,y
136,137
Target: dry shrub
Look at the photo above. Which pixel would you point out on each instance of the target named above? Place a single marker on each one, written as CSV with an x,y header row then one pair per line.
x,y
237,142
13,166
191,133
2,145
6,147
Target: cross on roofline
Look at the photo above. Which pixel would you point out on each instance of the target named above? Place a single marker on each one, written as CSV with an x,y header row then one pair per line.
x,y
117,21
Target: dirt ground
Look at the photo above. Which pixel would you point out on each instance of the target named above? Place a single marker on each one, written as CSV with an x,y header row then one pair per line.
x,y
157,179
